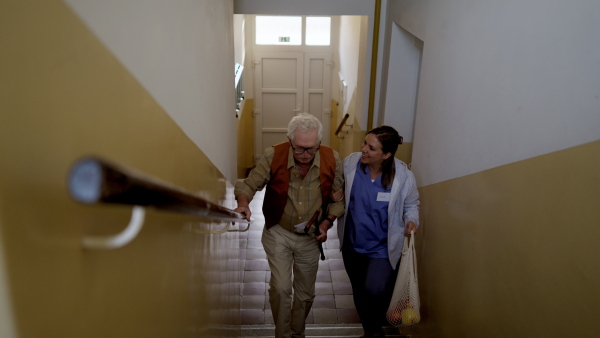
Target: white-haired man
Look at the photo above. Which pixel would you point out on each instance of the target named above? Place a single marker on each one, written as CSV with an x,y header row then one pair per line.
x,y
299,176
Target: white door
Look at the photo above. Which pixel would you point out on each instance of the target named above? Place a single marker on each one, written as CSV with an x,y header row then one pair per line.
x,y
278,96
287,83
317,89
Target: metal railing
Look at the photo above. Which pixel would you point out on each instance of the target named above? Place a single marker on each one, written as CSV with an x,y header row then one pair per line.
x,y
93,180
343,124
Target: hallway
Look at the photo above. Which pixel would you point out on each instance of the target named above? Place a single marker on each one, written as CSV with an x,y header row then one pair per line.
x,y
333,313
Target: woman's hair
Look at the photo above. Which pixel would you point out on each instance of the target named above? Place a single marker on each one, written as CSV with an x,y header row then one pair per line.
x,y
305,122
389,139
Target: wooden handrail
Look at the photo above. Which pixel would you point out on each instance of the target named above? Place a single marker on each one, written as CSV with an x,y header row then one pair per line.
x,y
94,180
339,128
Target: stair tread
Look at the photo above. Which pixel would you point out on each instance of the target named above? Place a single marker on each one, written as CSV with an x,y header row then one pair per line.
x,y
318,331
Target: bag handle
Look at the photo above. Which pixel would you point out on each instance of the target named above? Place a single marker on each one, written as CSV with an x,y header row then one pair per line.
x,y
408,244
414,254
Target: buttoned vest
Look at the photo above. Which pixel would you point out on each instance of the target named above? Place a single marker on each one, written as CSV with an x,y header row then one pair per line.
x,y
276,194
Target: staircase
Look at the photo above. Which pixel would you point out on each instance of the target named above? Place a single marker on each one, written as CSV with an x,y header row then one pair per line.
x,y
319,331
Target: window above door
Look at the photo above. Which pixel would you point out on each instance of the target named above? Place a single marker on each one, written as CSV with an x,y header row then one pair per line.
x,y
293,30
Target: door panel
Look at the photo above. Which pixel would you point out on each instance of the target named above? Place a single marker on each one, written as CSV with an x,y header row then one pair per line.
x,y
279,73
317,89
315,77
270,137
315,103
286,84
273,104
279,93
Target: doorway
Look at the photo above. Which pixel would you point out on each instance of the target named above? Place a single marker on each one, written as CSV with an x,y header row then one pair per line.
x,y
402,87
292,74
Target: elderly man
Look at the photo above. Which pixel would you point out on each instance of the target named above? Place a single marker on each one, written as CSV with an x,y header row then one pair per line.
x,y
299,176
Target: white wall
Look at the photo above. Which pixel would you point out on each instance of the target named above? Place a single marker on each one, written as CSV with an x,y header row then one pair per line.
x,y
402,82
348,62
304,7
182,53
501,81
381,75
239,39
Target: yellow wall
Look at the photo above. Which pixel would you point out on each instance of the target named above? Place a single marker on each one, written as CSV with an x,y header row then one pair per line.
x,y
513,251
245,138
351,137
62,96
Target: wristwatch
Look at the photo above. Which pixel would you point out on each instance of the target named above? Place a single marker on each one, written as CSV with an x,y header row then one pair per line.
x,y
330,221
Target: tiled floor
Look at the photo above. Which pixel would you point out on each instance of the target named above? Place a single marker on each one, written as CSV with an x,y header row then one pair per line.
x,y
333,302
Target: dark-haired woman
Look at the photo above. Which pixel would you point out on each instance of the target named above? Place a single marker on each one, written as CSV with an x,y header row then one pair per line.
x,y
381,208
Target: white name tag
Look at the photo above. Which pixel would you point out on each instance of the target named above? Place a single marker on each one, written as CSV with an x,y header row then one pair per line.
x,y
383,196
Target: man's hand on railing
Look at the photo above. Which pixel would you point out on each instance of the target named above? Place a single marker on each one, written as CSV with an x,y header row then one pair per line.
x,y
243,208
244,211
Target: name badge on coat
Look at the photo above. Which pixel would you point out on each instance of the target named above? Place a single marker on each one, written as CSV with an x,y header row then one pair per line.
x,y
383,196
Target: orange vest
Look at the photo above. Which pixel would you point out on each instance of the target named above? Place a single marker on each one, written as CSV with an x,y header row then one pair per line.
x,y
276,195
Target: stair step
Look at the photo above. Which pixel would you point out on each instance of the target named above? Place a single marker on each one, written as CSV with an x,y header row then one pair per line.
x,y
318,331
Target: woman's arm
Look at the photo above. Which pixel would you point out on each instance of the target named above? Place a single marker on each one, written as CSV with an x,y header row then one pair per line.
x,y
411,206
337,196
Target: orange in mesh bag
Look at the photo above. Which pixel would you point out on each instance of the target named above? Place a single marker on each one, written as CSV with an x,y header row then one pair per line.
x,y
405,303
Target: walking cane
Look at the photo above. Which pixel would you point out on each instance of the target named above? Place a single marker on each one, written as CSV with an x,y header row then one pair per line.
x,y
317,232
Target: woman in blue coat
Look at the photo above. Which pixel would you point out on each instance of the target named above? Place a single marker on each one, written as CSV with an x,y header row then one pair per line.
x,y
382,206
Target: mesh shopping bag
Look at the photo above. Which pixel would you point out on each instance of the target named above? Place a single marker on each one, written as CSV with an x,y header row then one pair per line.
x,y
404,307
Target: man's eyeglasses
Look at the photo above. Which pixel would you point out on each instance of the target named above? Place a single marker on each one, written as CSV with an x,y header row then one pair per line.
x,y
301,150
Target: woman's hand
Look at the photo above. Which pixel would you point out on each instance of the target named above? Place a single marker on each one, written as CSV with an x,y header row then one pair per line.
x,y
409,227
337,196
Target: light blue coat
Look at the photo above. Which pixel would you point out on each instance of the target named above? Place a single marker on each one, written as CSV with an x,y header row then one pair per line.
x,y
403,207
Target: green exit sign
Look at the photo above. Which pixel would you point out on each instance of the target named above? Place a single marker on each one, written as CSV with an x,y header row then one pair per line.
x,y
284,39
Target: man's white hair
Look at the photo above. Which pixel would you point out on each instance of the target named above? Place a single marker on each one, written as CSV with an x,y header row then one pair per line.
x,y
305,122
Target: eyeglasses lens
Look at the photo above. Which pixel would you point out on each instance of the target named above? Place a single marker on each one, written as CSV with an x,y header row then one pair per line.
x,y
301,150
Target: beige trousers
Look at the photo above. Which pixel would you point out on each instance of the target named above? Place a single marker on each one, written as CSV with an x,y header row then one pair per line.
x,y
289,253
